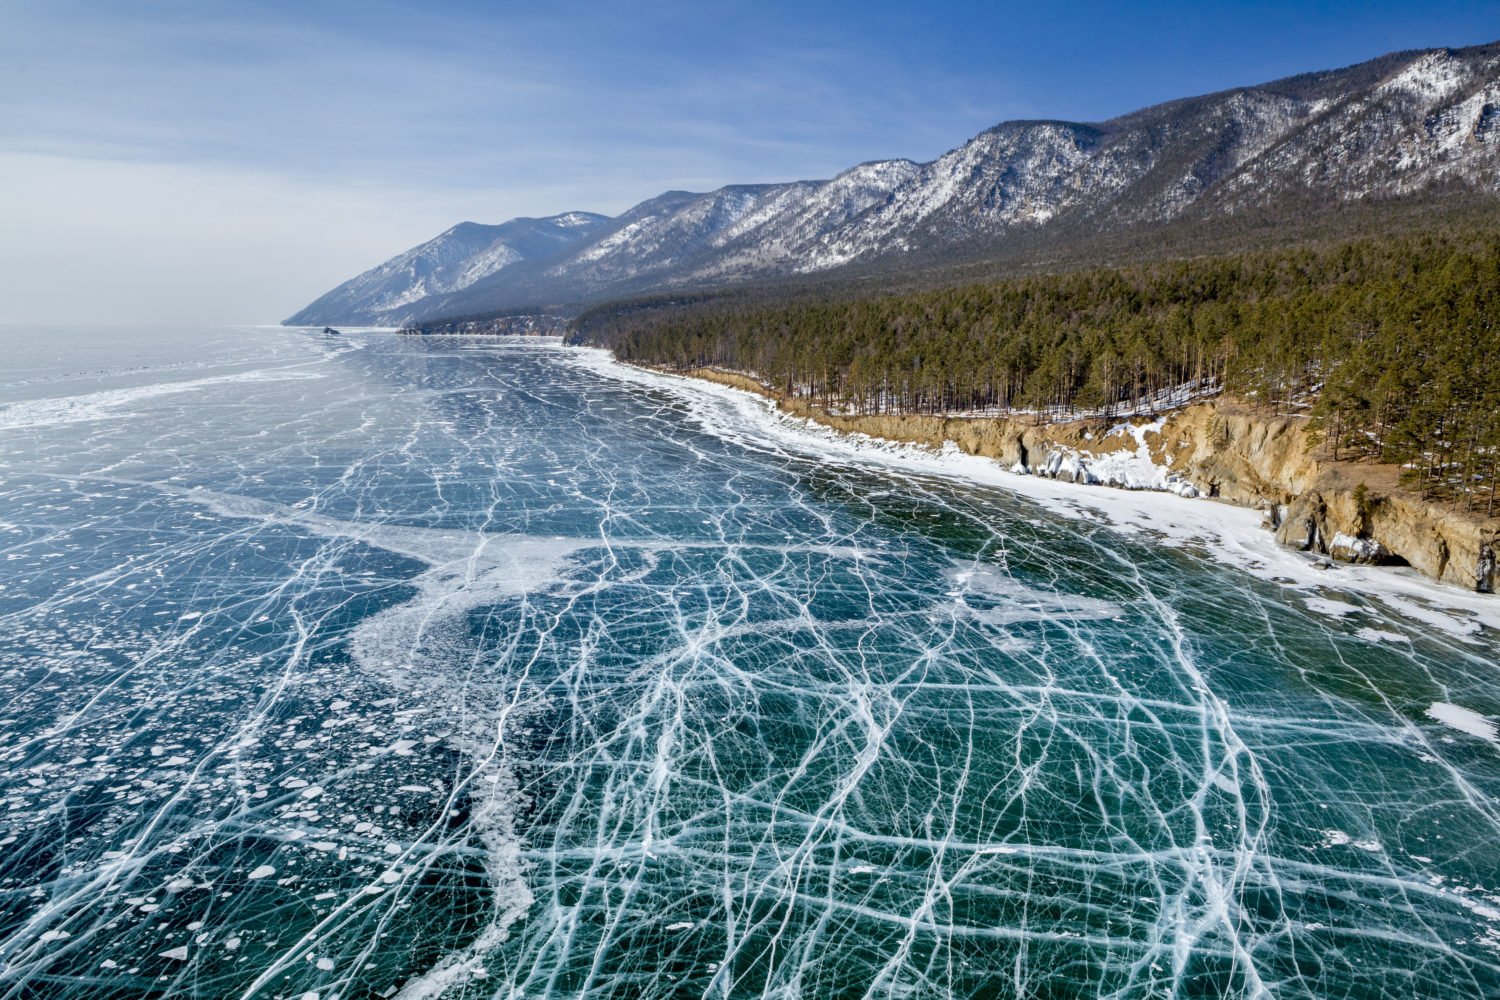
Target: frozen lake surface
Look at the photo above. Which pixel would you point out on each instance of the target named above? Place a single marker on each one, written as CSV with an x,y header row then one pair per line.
x,y
374,666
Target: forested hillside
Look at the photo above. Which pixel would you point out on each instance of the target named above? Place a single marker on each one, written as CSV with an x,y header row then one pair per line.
x,y
1390,346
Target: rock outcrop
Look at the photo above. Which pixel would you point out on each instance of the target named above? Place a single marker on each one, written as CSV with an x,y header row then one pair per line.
x,y
1391,529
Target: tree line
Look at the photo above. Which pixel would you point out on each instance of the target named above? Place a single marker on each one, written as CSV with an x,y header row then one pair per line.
x,y
1389,345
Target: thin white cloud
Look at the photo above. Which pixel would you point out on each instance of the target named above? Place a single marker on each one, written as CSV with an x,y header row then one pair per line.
x,y
200,162
98,241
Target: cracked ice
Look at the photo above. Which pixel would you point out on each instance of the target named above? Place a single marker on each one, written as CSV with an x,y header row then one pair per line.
x,y
442,667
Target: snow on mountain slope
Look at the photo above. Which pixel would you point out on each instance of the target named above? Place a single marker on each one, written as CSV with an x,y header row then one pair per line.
x,y
789,234
1016,173
738,230
1428,124
1405,123
447,263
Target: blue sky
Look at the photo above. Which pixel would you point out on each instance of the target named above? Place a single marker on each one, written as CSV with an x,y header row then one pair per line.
x,y
268,150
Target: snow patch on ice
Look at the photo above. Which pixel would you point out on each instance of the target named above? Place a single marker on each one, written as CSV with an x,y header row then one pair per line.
x,y
1335,609
1003,600
1380,635
1465,720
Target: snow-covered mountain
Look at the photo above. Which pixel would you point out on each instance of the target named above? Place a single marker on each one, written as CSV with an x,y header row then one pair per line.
x,y
469,252
1409,123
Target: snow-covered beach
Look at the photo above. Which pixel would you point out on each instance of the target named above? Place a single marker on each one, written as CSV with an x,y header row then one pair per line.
x,y
1128,492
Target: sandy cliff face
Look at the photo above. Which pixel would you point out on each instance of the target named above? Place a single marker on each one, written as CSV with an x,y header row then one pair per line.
x,y
1316,504
1220,450
1438,543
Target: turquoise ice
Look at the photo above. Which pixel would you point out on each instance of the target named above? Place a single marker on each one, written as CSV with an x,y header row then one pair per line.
x,y
470,668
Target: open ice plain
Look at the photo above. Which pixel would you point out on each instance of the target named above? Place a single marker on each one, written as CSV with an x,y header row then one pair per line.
x,y
383,666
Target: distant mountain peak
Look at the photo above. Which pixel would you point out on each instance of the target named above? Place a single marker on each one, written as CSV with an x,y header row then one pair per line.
x,y
574,220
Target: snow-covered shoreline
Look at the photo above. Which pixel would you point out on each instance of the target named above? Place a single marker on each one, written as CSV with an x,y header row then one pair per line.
x,y
1233,535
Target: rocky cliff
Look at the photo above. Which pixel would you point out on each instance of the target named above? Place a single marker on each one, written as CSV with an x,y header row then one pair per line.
x,y
1221,450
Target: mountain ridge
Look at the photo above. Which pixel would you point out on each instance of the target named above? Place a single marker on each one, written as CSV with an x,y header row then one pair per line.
x,y
1396,126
